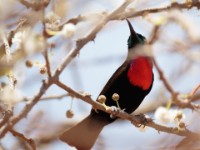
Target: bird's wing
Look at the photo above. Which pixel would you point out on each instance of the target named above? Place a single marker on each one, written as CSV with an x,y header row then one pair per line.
x,y
116,75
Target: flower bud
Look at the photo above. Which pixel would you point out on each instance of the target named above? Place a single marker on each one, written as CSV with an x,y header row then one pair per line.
x,y
43,70
175,129
70,113
68,30
179,115
115,97
29,63
101,99
181,125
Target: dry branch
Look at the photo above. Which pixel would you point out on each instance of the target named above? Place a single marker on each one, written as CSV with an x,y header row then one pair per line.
x,y
6,117
129,13
25,139
35,5
175,95
137,121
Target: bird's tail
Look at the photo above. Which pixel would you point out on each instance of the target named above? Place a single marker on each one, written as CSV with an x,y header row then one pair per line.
x,y
84,134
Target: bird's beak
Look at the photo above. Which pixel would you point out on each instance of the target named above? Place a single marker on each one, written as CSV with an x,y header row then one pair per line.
x,y
132,31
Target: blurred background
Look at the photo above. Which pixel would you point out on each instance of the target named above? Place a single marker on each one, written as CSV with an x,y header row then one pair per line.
x,y
176,50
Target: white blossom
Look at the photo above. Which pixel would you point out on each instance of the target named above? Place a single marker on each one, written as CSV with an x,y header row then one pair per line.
x,y
10,96
17,39
28,40
52,21
68,30
165,115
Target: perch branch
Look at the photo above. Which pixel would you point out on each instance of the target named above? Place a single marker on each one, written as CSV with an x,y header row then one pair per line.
x,y
121,114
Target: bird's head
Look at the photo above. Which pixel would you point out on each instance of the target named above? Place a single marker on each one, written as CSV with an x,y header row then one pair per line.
x,y
134,38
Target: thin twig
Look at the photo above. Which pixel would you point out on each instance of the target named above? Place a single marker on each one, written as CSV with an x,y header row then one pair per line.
x,y
196,97
35,5
175,95
11,122
130,13
194,90
172,6
90,37
7,115
25,139
45,53
165,81
154,35
81,18
54,97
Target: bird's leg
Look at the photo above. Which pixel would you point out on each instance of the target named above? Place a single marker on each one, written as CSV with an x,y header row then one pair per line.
x,y
142,119
116,111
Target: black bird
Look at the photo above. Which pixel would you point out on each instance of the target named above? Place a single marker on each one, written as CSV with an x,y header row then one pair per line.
x,y
132,81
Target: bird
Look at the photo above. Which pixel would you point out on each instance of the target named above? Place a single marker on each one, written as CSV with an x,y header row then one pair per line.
x,y
132,81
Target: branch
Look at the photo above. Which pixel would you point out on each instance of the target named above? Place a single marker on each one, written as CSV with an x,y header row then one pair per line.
x,y
186,103
45,52
183,103
11,122
25,139
172,6
10,36
7,115
195,97
130,13
153,38
137,121
165,81
90,37
55,97
81,18
194,90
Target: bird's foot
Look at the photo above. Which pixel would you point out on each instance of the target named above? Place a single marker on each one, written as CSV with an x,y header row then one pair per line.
x,y
142,120
115,111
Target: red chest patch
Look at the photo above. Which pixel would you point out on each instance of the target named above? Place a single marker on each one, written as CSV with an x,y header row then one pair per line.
x,y
140,72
